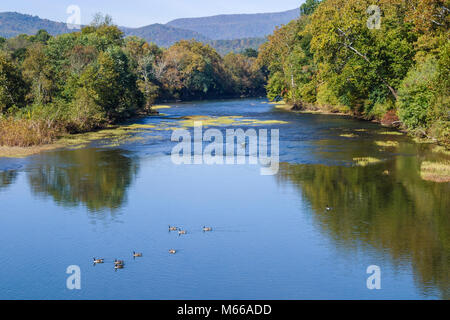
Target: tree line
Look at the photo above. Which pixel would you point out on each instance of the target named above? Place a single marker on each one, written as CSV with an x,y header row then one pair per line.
x,y
84,80
394,69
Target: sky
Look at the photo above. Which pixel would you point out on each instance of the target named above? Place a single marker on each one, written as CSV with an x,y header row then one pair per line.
x,y
137,13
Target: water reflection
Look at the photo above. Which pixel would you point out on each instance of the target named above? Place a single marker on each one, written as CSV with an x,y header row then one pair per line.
x,y
98,179
7,178
387,206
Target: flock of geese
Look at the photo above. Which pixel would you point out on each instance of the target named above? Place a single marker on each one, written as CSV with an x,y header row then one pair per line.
x,y
119,264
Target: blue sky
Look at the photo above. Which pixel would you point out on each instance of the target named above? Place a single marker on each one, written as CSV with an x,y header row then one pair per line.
x,y
136,13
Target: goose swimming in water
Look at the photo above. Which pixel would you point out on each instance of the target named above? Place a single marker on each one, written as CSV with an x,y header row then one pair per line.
x,y
205,229
172,251
137,254
98,260
119,262
173,228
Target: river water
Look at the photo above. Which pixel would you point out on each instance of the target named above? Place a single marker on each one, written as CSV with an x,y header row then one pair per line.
x,y
272,236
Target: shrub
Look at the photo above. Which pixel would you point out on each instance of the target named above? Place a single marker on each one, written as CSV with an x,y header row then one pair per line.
x,y
416,94
20,132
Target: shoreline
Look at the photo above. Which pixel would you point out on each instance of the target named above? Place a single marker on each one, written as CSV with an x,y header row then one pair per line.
x,y
65,141
313,109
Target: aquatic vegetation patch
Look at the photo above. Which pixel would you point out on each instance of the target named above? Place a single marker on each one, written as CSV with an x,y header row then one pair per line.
x,y
258,122
365,161
160,107
348,135
422,140
442,150
386,143
115,136
208,121
435,171
139,126
391,133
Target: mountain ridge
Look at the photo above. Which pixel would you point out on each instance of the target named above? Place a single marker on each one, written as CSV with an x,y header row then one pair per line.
x,y
236,26
225,32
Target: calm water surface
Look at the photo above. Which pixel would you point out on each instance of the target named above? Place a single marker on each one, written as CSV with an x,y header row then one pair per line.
x,y
272,238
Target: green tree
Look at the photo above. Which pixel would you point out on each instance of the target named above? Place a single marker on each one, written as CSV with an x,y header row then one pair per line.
x,y
309,7
247,78
12,85
37,73
114,85
143,57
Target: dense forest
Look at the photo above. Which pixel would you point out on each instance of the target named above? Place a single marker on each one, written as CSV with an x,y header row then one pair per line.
x,y
13,24
338,57
236,26
81,81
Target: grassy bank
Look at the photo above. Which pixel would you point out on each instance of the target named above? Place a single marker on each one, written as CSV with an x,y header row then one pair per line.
x,y
386,120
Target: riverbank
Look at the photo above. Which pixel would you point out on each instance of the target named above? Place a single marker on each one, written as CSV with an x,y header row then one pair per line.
x,y
67,140
435,168
388,121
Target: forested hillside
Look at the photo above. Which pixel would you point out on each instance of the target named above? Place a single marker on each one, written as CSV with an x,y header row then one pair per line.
x,y
163,35
236,26
226,33
12,24
238,45
335,58
80,81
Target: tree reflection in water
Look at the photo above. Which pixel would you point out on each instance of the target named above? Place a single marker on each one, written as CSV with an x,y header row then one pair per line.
x,y
387,206
98,179
7,178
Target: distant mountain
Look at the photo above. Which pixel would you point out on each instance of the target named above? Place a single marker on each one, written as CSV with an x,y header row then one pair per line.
x,y
224,32
237,45
13,24
163,35
236,26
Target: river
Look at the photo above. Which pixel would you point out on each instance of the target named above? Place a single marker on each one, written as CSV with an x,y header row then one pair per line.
x,y
272,236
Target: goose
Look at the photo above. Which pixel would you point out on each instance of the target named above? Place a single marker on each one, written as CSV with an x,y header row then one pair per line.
x,y
98,260
328,208
172,251
173,228
182,232
137,254
205,229
119,262
118,266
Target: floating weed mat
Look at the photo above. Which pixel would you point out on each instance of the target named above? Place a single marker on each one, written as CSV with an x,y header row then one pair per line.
x,y
386,143
365,161
422,140
391,133
348,135
435,171
441,150
207,121
114,136
159,107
